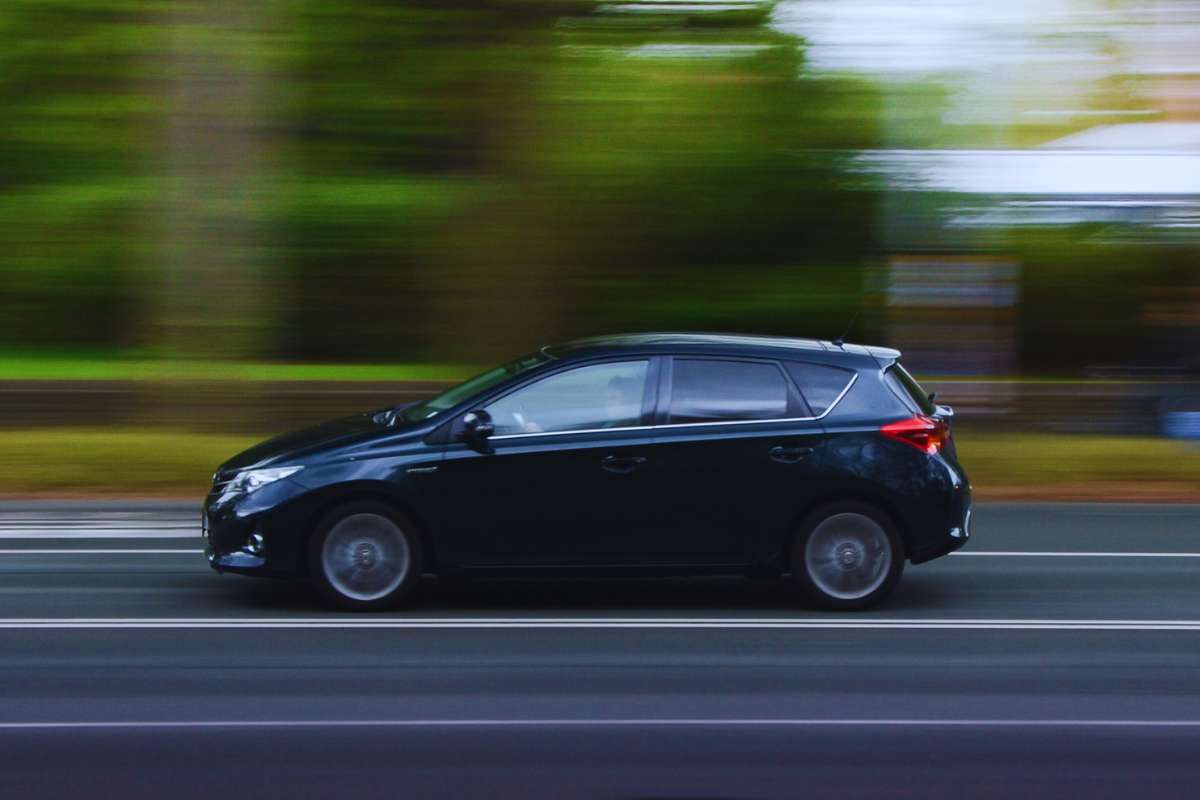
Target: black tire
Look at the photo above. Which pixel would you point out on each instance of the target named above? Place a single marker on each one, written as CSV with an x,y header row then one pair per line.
x,y
365,556
847,556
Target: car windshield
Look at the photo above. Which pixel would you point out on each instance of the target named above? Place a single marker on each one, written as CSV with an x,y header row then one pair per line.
x,y
455,395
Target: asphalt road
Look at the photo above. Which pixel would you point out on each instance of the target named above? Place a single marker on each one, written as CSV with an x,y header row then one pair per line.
x,y
1058,655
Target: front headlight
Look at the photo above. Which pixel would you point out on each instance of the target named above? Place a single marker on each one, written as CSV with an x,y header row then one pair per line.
x,y
251,479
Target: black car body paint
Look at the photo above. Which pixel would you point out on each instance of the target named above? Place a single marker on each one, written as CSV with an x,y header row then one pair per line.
x,y
715,496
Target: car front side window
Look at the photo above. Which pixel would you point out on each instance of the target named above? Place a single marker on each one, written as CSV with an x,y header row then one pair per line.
x,y
596,396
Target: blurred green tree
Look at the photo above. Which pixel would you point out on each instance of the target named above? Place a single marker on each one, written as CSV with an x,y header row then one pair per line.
x,y
393,180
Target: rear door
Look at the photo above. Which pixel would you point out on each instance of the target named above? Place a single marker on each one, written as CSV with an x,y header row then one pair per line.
x,y
737,453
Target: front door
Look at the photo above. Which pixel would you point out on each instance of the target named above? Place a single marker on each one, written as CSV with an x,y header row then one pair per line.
x,y
568,481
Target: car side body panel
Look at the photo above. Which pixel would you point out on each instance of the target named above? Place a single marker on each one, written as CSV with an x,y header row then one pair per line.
x,y
657,498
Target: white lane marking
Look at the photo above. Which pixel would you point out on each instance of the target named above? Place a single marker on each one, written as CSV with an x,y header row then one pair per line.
x,y
102,551
1070,554
584,623
125,525
130,533
95,551
611,723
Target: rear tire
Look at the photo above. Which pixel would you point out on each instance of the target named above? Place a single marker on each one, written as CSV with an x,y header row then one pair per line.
x,y
365,556
847,556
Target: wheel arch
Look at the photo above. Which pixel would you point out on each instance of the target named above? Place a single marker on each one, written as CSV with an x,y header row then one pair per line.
x,y
849,495
370,492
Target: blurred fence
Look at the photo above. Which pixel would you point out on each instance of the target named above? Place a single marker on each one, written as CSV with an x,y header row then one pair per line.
x,y
1144,407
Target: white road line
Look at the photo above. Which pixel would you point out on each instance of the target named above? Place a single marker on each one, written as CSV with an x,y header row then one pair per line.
x,y
195,535
96,530
106,522
95,552
602,723
584,623
114,534
83,526
113,522
1070,554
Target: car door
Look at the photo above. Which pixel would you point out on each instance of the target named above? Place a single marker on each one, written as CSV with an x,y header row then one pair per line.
x,y
566,481
738,454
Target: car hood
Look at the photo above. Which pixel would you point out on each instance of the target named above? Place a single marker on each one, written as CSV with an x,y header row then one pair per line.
x,y
297,445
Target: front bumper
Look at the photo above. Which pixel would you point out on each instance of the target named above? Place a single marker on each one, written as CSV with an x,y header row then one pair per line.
x,y
219,541
235,562
227,523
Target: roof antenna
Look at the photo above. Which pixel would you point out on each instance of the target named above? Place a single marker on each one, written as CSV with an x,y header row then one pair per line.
x,y
841,340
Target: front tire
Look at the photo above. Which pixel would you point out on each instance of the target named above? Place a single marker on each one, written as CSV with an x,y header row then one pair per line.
x,y
365,556
847,556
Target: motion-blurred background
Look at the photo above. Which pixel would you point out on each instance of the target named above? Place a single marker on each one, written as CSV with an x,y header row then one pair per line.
x,y
219,220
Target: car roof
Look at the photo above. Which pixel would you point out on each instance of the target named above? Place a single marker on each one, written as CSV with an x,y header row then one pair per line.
x,y
722,343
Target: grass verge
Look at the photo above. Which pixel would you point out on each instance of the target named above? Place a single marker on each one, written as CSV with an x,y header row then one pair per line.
x,y
71,462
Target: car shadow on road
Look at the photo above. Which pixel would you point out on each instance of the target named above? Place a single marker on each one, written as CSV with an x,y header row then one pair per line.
x,y
546,596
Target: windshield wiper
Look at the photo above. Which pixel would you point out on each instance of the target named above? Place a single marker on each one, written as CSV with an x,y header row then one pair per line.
x,y
391,416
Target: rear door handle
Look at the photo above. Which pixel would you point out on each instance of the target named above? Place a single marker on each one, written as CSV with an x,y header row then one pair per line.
x,y
789,455
622,464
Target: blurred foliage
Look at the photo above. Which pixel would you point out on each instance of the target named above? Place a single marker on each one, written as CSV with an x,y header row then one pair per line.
x,y
395,179
459,180
1083,299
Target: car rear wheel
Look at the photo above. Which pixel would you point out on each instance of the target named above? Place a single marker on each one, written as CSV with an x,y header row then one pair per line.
x,y
847,556
365,557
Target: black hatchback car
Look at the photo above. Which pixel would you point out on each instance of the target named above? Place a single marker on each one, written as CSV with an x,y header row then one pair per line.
x,y
643,454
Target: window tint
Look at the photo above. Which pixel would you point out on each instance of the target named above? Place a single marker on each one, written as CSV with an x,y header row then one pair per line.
x,y
819,384
714,391
900,380
596,396
480,383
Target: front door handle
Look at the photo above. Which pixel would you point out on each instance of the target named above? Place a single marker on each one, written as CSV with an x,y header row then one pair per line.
x,y
622,464
789,455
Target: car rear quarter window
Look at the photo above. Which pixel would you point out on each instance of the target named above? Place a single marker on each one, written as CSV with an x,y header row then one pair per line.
x,y
821,385
906,386
711,390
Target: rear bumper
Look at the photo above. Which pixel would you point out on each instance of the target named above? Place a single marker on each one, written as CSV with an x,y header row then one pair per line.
x,y
954,535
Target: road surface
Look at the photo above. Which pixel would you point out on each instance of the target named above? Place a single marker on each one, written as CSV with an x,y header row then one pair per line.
x,y
1058,655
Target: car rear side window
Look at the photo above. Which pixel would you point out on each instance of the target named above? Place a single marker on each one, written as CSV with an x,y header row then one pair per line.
x,y
900,381
820,385
711,390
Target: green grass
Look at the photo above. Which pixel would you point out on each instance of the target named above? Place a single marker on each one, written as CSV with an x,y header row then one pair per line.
x,y
92,462
112,366
74,368
1043,460
136,462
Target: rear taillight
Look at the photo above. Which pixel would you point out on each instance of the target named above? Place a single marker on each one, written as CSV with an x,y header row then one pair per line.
x,y
927,435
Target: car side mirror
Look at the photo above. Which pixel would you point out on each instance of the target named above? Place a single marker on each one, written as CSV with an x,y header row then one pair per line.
x,y
477,428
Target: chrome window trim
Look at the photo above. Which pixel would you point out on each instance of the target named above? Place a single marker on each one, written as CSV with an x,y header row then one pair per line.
x,y
820,416
568,433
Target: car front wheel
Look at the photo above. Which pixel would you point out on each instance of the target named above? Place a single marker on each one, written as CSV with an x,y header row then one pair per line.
x,y
847,556
365,557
